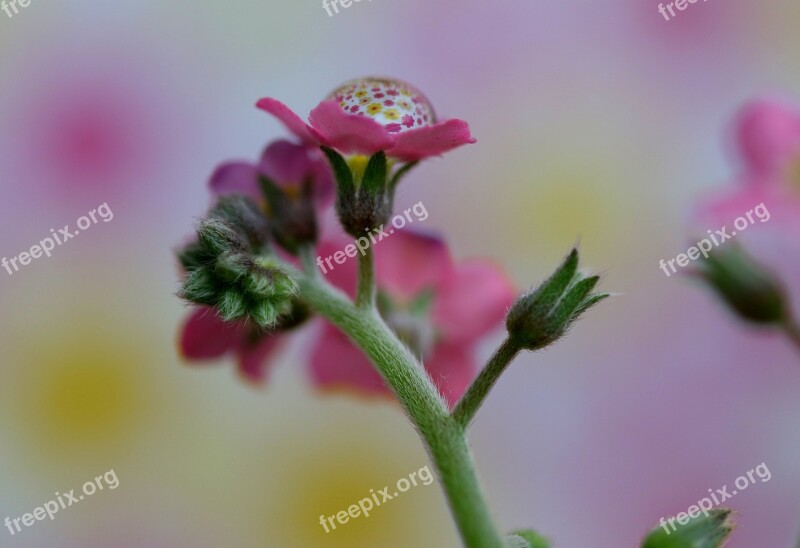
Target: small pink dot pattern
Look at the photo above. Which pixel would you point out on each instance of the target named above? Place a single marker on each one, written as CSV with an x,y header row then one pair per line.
x,y
396,105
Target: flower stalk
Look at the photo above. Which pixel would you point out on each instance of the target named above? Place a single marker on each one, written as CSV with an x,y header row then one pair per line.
x,y
366,292
443,436
476,394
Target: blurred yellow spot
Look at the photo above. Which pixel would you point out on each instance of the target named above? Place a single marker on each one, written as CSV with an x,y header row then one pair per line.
x,y
81,391
335,478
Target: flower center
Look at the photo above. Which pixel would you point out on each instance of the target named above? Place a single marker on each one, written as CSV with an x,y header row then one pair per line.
x,y
396,105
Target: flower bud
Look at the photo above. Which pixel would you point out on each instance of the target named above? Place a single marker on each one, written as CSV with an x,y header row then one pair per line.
x,y
748,288
246,217
709,530
224,270
200,286
217,236
540,317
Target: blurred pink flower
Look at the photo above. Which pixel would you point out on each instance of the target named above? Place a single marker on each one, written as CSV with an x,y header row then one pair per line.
x,y
767,139
290,166
205,337
96,128
440,309
370,115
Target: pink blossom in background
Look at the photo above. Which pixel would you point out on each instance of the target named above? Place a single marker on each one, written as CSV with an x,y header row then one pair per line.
x,y
93,127
459,304
766,136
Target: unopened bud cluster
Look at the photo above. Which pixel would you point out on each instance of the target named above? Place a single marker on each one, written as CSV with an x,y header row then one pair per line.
x,y
226,271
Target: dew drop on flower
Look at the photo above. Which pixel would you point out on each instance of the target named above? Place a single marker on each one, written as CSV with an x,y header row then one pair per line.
x,y
396,105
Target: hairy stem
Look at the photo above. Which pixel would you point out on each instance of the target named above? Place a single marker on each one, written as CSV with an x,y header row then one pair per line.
x,y
472,400
444,438
365,296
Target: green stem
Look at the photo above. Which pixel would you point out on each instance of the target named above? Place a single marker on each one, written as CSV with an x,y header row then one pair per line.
x,y
472,400
365,295
443,436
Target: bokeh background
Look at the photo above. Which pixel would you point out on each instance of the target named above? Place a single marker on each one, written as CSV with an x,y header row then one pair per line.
x,y
596,121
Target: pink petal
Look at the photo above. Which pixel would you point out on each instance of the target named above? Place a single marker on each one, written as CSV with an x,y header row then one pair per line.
x,y
452,369
768,133
289,119
324,187
285,163
420,143
236,177
781,206
205,336
289,164
336,364
348,133
472,302
411,260
254,357
343,276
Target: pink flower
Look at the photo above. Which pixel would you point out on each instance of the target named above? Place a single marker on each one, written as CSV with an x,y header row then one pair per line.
x,y
287,164
205,337
767,138
437,307
355,120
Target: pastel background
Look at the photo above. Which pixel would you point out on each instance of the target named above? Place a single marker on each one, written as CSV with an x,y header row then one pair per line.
x,y
596,121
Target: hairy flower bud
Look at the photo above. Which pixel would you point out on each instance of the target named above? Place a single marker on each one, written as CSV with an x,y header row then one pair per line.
x,y
225,271
747,287
540,317
244,214
217,236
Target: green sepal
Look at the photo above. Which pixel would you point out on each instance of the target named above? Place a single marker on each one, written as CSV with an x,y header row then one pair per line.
x,y
342,173
374,181
699,532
